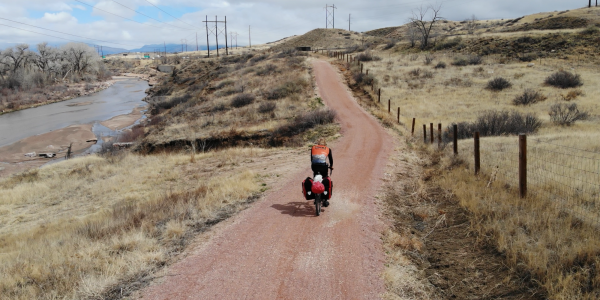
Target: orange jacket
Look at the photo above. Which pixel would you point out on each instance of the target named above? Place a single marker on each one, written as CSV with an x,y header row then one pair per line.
x,y
319,155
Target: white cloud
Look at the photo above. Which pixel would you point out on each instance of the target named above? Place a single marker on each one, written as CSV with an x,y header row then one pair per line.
x,y
58,17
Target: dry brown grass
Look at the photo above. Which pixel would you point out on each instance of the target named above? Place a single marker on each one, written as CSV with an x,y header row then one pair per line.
x,y
79,228
210,115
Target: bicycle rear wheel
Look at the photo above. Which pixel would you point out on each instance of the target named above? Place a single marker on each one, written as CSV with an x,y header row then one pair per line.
x,y
318,205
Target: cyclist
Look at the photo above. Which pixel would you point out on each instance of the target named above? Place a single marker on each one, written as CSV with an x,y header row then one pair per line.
x,y
318,157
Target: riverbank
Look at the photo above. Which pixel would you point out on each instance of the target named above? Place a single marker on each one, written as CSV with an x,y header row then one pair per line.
x,y
53,94
13,159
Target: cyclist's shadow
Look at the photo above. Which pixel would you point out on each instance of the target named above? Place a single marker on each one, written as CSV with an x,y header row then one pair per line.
x,y
297,209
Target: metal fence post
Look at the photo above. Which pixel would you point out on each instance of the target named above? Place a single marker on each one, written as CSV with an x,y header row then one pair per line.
x,y
455,138
431,132
398,115
523,165
424,133
389,105
477,154
379,95
412,132
440,135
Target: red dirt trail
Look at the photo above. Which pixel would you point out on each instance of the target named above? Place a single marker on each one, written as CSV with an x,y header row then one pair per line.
x,y
278,249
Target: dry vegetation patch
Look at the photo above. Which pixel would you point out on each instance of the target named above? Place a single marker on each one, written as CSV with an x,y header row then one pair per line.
x,y
90,227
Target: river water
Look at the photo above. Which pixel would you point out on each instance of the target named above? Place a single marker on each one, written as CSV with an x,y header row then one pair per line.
x,y
119,99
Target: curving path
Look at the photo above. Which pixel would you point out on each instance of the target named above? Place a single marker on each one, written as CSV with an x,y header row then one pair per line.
x,y
278,249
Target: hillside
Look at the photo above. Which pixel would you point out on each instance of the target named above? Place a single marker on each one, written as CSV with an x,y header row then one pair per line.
x,y
327,39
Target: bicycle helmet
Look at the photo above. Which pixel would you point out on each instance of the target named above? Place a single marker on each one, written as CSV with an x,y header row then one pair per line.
x,y
318,188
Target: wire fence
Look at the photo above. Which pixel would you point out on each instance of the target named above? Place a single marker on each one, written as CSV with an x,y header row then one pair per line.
x,y
565,176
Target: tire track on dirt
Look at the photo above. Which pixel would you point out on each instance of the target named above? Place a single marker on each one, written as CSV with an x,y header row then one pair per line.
x,y
278,249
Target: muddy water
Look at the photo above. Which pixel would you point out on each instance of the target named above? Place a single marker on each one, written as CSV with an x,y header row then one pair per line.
x,y
121,98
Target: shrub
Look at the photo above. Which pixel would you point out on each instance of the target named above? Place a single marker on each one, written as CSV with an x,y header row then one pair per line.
x,y
389,45
496,123
363,79
287,89
460,61
475,60
572,95
267,107
592,30
259,58
267,70
498,84
528,58
448,44
563,79
367,56
305,122
440,65
566,114
427,74
242,100
528,97
415,72
224,83
467,60
162,103
428,59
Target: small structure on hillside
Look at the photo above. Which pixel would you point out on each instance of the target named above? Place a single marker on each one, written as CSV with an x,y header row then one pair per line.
x,y
166,68
303,48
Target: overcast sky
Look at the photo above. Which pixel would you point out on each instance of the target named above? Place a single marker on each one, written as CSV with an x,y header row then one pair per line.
x,y
270,20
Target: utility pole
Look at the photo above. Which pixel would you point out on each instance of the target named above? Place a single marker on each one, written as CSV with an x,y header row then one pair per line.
x,y
196,41
216,21
165,44
226,51
249,37
207,44
330,13
349,17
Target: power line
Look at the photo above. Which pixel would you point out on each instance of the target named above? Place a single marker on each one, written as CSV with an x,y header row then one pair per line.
x,y
117,15
149,16
66,33
171,15
45,34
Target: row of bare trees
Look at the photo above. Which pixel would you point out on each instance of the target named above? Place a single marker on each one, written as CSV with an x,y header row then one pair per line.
x,y
23,68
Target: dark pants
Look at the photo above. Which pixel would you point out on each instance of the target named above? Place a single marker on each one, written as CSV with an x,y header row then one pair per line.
x,y
321,169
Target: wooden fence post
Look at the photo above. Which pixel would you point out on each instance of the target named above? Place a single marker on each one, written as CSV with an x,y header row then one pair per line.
x,y
431,132
361,68
379,95
476,153
424,133
389,105
440,135
367,71
455,138
372,86
523,165
398,115
412,132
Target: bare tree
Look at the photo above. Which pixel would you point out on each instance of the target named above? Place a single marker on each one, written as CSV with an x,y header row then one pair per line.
x,y
16,58
424,20
412,34
471,24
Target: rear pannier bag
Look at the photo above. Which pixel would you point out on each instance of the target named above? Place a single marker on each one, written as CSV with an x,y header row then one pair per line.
x,y
328,183
306,187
